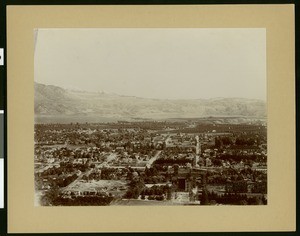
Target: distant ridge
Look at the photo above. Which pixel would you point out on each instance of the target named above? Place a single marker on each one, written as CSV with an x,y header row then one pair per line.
x,y
56,102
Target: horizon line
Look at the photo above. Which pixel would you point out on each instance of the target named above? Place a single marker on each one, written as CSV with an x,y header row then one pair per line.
x,y
122,95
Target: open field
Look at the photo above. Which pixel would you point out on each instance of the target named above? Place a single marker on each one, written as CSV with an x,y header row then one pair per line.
x,y
100,185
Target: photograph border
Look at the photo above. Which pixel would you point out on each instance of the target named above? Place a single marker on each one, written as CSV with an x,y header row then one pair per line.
x,y
18,101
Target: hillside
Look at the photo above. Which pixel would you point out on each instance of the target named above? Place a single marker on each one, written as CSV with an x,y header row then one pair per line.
x,y
55,103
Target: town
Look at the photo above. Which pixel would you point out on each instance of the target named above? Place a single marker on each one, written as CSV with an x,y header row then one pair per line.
x,y
171,162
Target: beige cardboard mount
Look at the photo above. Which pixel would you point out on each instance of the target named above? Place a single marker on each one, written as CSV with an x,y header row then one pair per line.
x,y
278,215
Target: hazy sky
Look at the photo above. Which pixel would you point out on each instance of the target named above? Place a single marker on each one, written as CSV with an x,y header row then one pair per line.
x,y
155,63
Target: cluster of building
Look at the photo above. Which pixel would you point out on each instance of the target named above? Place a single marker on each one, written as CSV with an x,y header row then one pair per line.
x,y
99,161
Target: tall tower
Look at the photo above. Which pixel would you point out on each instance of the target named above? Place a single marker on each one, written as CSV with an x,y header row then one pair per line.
x,y
198,152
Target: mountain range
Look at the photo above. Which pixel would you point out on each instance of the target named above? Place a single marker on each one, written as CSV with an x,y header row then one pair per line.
x,y
57,104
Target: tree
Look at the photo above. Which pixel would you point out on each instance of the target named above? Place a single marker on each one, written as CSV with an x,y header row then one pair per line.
x,y
169,193
218,142
176,169
50,197
136,187
204,200
217,162
243,202
147,172
153,171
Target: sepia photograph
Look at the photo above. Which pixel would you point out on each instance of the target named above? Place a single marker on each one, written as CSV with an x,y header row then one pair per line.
x,y
150,117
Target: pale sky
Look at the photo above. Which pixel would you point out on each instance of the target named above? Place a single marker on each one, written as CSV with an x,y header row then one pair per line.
x,y
155,63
